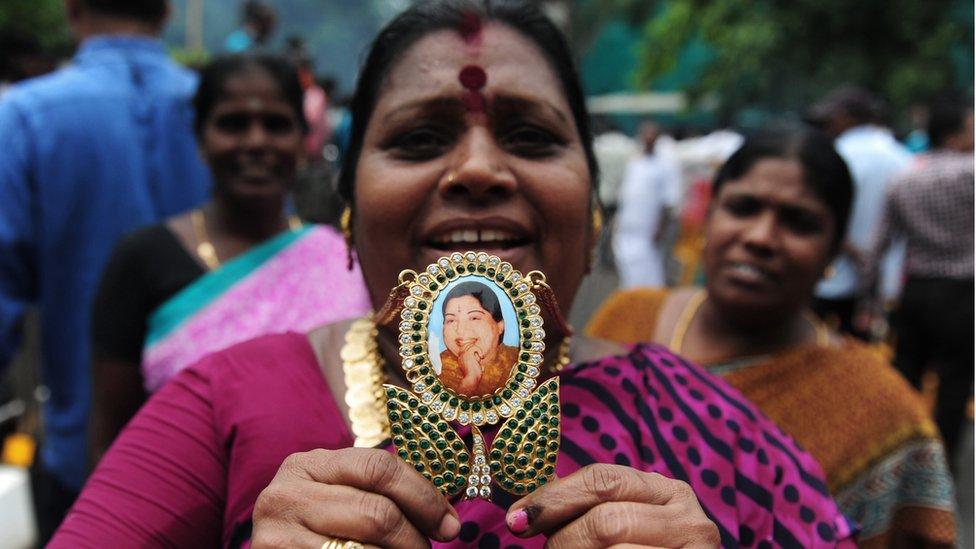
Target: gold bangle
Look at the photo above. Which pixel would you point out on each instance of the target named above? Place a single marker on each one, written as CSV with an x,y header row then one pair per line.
x,y
336,543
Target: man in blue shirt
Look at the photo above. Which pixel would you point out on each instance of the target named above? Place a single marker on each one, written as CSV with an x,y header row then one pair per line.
x,y
88,153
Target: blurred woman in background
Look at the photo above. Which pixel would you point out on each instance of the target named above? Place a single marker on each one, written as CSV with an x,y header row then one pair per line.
x,y
780,211
234,269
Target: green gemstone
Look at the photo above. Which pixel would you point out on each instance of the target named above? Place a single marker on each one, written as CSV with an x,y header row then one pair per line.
x,y
531,436
537,413
418,466
435,389
513,292
530,487
415,456
413,402
450,464
507,393
463,469
525,345
432,286
435,466
415,337
523,428
409,434
525,324
438,481
553,446
416,326
522,461
391,405
442,427
454,401
398,441
510,470
520,414
499,443
481,268
394,416
522,368
522,315
427,476
444,397
519,303
430,454
519,475
465,405
512,447
440,444
425,444
499,277
418,317
505,432
538,464
496,399
528,448
541,452
419,360
403,454
507,284
488,404
447,453
509,458
554,410
496,455
460,481
448,476
523,356
476,407
549,470
554,421
391,393
520,377
412,445
517,438
536,399
423,410
551,458
450,273
542,481
417,420
508,484
491,272
417,349
433,418
543,391
457,445
441,278
471,268
530,421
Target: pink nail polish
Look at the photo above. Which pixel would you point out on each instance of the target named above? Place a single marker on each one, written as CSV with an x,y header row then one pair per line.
x,y
518,521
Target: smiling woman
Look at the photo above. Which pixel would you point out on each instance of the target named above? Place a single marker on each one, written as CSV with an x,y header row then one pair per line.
x,y
313,441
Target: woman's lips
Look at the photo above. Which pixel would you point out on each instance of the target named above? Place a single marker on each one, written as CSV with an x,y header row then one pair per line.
x,y
748,274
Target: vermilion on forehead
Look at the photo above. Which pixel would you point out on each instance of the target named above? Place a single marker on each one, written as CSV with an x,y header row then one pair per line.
x,y
471,29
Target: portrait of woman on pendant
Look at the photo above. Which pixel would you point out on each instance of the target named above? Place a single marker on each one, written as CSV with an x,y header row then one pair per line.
x,y
475,359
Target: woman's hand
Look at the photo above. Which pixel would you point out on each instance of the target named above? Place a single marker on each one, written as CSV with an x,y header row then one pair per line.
x,y
470,362
613,505
365,495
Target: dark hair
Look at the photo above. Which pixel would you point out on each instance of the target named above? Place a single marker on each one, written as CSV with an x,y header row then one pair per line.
x,y
150,11
823,169
214,77
481,292
432,15
946,118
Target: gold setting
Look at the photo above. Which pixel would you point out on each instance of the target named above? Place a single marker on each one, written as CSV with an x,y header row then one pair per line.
x,y
523,454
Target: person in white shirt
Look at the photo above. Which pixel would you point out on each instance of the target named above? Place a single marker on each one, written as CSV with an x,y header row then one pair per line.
x,y
649,194
850,115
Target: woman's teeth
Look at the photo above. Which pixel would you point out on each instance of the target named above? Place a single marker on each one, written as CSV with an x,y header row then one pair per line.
x,y
470,236
749,272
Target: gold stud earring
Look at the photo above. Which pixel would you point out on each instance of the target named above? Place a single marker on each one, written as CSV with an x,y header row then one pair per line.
x,y
451,178
345,224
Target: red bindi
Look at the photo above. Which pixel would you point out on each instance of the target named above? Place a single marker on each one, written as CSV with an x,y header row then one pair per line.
x,y
473,77
473,101
470,28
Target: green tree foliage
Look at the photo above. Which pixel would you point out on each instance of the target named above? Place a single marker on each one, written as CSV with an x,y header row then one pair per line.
x,y
41,18
782,54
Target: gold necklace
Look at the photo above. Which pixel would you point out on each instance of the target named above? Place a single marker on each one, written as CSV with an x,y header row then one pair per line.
x,y
205,248
695,302
362,368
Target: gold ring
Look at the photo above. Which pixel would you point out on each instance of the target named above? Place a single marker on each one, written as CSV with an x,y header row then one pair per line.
x,y
336,543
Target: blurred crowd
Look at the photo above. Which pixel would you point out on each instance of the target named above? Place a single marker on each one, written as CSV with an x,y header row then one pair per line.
x,y
153,214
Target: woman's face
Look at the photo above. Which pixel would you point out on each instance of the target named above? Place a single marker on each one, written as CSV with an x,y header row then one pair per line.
x,y
448,165
468,325
769,239
252,138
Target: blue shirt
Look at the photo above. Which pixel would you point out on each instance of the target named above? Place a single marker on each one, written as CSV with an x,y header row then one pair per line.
x,y
87,153
873,156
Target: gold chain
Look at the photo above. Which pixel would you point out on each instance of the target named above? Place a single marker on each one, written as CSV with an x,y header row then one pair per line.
x,y
205,248
681,326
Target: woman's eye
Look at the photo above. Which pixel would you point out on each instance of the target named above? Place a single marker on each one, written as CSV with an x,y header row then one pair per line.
x,y
279,124
802,222
232,123
531,141
420,144
741,206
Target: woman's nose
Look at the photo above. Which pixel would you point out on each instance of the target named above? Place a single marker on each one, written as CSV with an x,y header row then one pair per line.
x,y
256,136
480,171
762,235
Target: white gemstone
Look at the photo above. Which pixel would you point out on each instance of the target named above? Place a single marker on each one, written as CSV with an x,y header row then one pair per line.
x,y
410,302
407,315
417,291
482,257
470,256
456,257
506,268
404,338
485,492
444,263
535,359
473,479
405,350
522,288
485,470
463,417
449,414
530,299
437,406
538,334
535,322
432,269
516,277
516,402
538,346
529,383
471,492
427,397
479,460
419,387
534,309
494,261
404,326
504,409
524,393
532,371
478,418
408,363
486,480
424,279
492,417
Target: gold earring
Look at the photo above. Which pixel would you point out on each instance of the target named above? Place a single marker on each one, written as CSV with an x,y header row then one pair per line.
x,y
345,224
596,220
451,177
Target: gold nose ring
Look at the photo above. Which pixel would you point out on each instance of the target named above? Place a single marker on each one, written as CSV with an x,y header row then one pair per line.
x,y
451,177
